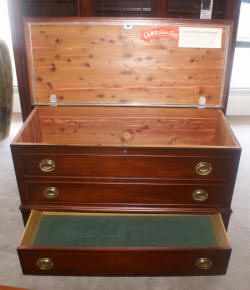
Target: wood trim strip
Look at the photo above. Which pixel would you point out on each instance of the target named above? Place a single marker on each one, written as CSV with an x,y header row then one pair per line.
x,y
112,214
219,230
31,228
15,8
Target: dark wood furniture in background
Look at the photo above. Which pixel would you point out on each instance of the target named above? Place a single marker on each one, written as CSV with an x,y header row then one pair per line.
x,y
124,8
18,9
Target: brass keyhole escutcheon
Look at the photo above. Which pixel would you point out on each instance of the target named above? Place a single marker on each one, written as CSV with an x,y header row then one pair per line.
x,y
45,263
203,263
47,165
200,195
203,168
51,192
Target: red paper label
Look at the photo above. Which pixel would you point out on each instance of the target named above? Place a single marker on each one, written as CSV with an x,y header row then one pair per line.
x,y
160,32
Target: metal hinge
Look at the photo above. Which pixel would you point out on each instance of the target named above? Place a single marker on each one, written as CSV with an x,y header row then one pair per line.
x,y
202,103
53,101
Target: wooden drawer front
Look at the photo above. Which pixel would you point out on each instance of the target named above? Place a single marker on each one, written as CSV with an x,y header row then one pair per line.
x,y
128,166
121,262
147,193
123,244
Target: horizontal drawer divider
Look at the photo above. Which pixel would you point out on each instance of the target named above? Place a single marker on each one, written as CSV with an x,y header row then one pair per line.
x,y
123,208
159,182
65,177
129,155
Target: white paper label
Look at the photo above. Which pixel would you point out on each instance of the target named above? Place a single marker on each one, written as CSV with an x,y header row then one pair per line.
x,y
198,37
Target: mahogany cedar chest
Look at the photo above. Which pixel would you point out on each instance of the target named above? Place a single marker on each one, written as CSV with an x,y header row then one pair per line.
x,y
127,162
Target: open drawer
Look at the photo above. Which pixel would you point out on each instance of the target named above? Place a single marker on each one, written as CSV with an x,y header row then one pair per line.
x,y
71,243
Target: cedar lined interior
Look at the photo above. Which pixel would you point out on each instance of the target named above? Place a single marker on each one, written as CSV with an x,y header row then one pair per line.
x,y
215,224
92,62
119,126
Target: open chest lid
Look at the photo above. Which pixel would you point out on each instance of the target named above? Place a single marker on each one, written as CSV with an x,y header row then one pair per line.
x,y
128,62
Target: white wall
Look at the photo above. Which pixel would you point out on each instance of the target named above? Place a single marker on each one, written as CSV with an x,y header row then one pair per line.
x,y
239,103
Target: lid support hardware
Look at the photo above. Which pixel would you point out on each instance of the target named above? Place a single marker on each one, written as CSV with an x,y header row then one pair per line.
x,y
53,101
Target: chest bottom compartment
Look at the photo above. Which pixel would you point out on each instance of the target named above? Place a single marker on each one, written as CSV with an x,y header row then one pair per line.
x,y
67,243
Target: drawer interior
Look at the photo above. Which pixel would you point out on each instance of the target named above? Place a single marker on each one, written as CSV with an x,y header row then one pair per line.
x,y
134,126
72,229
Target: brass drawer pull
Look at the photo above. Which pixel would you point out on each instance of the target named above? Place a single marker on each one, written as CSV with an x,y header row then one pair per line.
x,y
47,165
45,263
203,263
200,195
203,168
51,192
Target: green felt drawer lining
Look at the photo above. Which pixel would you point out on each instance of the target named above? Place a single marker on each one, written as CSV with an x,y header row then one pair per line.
x,y
126,231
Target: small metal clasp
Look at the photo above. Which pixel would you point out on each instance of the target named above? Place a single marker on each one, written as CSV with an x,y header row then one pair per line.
x,y
53,101
202,102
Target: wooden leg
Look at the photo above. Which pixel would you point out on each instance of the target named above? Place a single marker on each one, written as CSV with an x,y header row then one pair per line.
x,y
25,215
226,218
